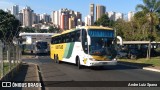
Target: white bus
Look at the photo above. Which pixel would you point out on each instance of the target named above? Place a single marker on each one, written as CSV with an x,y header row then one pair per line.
x,y
32,38
41,47
85,45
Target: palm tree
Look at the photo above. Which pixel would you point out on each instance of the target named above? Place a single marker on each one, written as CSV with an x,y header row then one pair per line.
x,y
150,7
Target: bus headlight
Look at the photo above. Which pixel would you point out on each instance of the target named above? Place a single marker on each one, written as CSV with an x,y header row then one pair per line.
x,y
114,59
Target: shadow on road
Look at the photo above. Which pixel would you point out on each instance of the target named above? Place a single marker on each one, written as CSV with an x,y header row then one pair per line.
x,y
33,54
139,65
119,66
20,77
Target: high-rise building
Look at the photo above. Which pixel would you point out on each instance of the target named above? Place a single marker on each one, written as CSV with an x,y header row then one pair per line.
x,y
52,16
88,20
45,18
64,21
38,18
71,22
71,18
78,15
27,16
111,15
34,18
100,10
20,17
118,16
130,15
79,22
8,11
15,10
55,18
92,13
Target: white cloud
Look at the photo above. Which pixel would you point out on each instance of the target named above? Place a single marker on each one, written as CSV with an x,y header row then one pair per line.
x,y
5,4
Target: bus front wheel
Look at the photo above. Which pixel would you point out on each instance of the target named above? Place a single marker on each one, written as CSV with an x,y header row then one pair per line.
x,y
56,59
78,63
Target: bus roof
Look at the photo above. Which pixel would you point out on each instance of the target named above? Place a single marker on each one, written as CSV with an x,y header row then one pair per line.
x,y
83,27
94,27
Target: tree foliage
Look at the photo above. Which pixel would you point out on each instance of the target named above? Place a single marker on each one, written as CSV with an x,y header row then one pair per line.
x,y
53,29
28,30
9,26
150,8
104,21
144,25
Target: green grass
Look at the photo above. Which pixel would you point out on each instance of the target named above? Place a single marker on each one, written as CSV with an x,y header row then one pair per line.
x,y
6,67
155,61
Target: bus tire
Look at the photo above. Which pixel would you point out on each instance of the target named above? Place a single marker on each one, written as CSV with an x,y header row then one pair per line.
x,y
78,63
57,59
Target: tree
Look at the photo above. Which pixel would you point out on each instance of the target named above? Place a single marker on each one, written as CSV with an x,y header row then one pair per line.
x,y
104,21
53,29
150,8
28,30
9,26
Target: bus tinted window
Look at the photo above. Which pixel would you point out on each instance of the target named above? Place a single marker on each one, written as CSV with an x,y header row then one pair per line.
x,y
84,41
42,45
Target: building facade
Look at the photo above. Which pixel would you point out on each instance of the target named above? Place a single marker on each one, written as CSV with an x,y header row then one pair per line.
x,y
92,13
15,10
130,15
119,16
100,10
27,17
87,20
64,25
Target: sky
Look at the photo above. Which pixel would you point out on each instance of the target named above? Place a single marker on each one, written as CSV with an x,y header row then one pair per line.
x,y
47,6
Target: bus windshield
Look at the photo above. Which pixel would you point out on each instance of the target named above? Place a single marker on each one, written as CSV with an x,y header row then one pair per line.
x,y
41,45
101,42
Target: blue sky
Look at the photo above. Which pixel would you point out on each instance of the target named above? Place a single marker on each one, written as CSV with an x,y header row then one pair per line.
x,y
46,6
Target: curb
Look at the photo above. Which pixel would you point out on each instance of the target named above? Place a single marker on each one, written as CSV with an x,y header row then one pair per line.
x,y
144,68
38,78
37,73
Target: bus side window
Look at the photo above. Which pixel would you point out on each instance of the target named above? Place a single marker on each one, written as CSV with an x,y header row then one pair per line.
x,y
55,40
84,41
52,40
67,38
72,36
77,35
60,39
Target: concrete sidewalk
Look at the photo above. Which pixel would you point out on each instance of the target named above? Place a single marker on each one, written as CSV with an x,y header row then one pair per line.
x,y
27,72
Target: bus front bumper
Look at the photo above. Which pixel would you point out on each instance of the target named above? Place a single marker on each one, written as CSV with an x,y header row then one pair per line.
x,y
102,63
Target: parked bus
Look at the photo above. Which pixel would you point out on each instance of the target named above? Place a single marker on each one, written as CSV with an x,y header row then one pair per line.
x,y
29,40
41,47
85,45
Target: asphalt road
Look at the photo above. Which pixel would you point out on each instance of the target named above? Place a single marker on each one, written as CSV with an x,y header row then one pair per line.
x,y
63,72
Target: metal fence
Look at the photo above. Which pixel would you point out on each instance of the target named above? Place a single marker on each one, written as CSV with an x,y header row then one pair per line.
x,y
10,57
